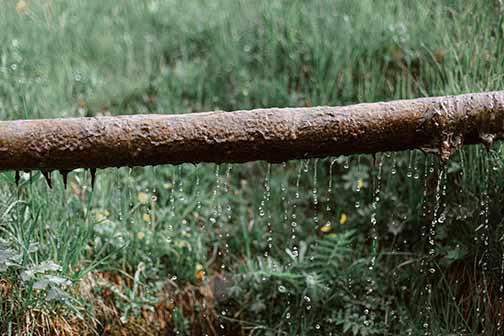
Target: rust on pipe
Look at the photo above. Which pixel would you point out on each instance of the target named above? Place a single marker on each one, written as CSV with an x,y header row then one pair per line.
x,y
438,124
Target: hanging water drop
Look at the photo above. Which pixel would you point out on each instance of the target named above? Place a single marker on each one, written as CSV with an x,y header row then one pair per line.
x,y
293,223
93,177
47,176
393,170
409,172
306,166
64,174
329,187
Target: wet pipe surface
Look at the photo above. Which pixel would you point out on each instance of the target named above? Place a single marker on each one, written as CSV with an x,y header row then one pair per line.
x,y
438,124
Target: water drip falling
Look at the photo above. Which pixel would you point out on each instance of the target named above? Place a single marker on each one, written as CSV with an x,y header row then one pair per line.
x,y
359,183
371,285
315,195
306,166
180,191
293,224
286,203
224,236
484,237
171,201
283,197
215,194
461,189
437,205
393,170
229,208
437,217
264,210
416,174
374,206
216,214
328,208
409,172
428,170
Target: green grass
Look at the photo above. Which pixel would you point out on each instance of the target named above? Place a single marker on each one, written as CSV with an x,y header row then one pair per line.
x,y
135,247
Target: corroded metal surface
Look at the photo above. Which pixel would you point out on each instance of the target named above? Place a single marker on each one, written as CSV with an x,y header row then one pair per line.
x,y
437,124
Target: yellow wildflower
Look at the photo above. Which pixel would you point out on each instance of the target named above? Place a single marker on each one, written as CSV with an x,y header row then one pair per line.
x,y
332,235
360,183
146,218
199,275
21,6
326,228
99,217
343,218
106,213
199,272
143,198
140,235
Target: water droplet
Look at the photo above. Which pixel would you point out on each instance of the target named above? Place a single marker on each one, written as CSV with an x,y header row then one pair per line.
x,y
64,174
93,177
47,176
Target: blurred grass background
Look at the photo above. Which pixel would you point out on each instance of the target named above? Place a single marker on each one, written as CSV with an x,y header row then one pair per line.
x,y
255,248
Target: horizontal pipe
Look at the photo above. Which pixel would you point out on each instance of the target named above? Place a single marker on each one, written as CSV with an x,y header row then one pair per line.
x,y
439,124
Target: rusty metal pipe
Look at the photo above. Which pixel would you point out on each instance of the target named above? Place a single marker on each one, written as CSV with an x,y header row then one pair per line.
x,y
438,124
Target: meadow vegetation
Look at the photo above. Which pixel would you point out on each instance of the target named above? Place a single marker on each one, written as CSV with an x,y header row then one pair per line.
x,y
396,244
